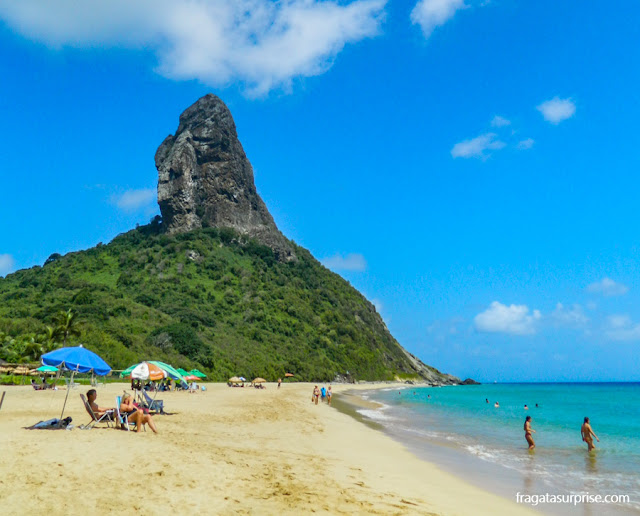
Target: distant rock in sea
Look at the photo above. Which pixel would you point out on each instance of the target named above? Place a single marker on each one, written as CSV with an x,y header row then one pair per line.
x,y
206,180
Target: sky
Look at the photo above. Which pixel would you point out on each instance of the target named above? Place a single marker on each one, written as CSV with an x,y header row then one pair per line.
x,y
470,166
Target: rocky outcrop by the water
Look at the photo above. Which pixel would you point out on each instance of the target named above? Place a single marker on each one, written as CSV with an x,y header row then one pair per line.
x,y
206,180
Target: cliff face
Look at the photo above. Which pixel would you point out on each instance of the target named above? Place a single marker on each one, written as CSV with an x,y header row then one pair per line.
x,y
206,180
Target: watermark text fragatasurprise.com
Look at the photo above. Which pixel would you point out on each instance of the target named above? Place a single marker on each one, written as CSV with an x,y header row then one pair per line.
x,y
573,499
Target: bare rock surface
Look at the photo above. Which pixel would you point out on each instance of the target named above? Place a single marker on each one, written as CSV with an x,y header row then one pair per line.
x,y
206,180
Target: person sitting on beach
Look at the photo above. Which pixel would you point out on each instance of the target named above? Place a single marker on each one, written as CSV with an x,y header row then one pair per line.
x,y
134,415
527,433
329,394
97,409
35,385
588,434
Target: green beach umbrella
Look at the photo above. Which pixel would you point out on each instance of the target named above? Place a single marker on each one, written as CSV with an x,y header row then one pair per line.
x,y
128,370
182,371
171,371
196,372
47,369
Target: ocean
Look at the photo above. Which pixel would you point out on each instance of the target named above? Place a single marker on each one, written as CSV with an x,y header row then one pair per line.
x,y
457,429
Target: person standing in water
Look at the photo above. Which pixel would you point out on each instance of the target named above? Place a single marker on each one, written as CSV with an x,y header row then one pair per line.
x,y
588,434
528,431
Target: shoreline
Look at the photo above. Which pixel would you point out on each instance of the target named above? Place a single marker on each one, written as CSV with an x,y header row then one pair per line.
x,y
226,451
445,454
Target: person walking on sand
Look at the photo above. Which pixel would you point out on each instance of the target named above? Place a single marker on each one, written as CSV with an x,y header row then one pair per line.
x,y
279,382
588,434
323,392
316,394
528,431
329,394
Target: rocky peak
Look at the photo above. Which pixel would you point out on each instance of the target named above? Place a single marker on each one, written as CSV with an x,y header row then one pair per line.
x,y
205,179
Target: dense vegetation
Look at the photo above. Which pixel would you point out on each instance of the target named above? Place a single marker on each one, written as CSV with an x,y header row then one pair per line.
x,y
209,299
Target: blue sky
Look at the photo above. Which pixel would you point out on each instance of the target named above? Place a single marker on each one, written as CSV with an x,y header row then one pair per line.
x,y
471,167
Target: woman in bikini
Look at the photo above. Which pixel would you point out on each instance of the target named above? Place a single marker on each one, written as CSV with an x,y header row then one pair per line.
x,y
136,416
527,433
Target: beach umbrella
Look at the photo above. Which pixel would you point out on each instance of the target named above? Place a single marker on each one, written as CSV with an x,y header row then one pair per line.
x,y
76,359
47,369
243,379
288,375
127,372
147,371
170,370
259,380
196,372
235,379
191,378
154,365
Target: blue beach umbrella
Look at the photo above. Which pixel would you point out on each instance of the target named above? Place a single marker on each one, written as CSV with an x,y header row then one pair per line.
x,y
77,360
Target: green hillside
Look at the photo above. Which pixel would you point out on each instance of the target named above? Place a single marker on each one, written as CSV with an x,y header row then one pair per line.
x,y
208,299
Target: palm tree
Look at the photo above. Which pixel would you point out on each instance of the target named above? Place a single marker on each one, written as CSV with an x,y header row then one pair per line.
x,y
66,326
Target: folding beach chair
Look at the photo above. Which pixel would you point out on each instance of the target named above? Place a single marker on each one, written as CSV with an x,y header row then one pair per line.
x,y
123,419
107,417
151,404
70,383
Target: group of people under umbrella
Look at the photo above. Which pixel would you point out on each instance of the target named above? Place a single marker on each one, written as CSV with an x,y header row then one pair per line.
x,y
78,359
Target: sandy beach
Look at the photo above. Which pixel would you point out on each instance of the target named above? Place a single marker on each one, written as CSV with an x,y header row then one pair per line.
x,y
225,451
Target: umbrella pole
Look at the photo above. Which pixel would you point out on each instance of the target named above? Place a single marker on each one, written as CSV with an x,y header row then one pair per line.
x,y
65,398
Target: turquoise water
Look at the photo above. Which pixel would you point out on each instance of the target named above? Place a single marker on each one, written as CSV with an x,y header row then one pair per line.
x,y
459,418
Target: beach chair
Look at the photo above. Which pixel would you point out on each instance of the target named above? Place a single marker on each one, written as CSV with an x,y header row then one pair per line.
x,y
107,417
123,419
70,383
155,405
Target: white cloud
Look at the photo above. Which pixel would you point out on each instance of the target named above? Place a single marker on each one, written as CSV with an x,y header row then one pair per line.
x,y
607,287
513,319
134,200
499,121
620,327
525,144
556,110
350,262
573,316
477,147
261,43
430,14
7,264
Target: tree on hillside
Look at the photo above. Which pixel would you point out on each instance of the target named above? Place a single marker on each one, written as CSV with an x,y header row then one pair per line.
x,y
66,326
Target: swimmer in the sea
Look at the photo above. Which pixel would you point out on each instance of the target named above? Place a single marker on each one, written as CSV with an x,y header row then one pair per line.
x,y
588,434
528,431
